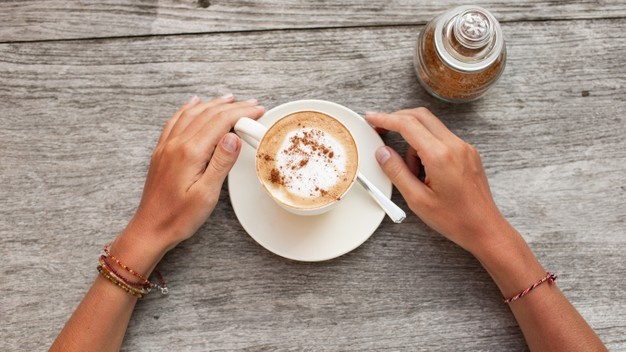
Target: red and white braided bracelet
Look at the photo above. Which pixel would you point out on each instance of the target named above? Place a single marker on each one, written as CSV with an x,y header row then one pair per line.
x,y
550,277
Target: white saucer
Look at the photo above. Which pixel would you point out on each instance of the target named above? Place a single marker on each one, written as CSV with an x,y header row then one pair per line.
x,y
310,238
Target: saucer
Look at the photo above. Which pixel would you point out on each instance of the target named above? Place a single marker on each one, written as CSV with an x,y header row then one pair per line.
x,y
319,237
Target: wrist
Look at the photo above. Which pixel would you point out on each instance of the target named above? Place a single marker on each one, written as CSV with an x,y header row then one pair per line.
x,y
138,250
490,233
509,261
151,236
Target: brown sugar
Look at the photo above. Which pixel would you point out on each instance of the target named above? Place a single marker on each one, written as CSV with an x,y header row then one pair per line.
x,y
453,83
449,83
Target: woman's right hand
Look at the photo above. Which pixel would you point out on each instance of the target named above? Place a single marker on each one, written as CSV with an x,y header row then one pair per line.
x,y
454,199
192,157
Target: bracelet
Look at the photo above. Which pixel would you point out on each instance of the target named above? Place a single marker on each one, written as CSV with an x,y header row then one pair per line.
x,y
119,284
106,250
162,286
550,277
105,264
107,269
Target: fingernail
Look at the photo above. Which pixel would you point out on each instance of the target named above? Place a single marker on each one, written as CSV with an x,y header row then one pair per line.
x,y
227,96
229,142
194,100
382,155
370,113
252,101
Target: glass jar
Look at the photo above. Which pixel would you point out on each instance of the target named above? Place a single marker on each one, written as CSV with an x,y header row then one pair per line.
x,y
460,54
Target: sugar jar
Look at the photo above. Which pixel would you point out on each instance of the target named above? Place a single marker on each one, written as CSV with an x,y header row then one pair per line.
x,y
460,54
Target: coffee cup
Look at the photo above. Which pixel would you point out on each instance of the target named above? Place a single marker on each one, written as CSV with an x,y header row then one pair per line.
x,y
307,161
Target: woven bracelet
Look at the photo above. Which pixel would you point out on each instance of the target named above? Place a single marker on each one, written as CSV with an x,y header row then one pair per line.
x,y
550,277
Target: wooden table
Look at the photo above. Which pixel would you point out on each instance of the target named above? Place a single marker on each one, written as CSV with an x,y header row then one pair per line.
x,y
86,87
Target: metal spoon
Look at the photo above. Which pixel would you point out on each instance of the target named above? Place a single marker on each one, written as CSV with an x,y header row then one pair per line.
x,y
395,213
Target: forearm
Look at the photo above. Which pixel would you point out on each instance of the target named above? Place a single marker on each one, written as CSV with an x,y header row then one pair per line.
x,y
100,321
192,158
547,319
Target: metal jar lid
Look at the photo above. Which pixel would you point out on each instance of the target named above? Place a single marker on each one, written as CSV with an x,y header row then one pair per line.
x,y
475,29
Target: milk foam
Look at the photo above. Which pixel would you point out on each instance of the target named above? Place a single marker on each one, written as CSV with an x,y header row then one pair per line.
x,y
307,160
311,162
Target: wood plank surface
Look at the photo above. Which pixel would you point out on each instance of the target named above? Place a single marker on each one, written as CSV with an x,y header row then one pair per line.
x,y
27,20
80,118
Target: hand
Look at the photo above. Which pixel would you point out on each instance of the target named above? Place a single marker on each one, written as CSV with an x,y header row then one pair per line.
x,y
193,155
454,199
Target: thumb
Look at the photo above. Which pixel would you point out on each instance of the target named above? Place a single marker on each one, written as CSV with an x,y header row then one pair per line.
x,y
221,162
400,175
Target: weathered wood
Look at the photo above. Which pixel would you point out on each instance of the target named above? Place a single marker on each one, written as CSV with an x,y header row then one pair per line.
x,y
24,20
80,118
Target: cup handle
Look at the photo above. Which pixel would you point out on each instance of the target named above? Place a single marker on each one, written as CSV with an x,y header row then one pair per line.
x,y
250,131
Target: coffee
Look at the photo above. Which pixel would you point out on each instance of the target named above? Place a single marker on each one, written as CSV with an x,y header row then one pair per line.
x,y
307,160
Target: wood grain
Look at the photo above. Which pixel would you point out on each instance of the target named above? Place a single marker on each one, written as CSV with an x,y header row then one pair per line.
x,y
27,20
80,118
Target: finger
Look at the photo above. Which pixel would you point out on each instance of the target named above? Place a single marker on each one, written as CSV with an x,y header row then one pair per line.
x,y
430,121
414,163
222,161
401,176
381,131
411,129
217,113
172,121
207,136
190,114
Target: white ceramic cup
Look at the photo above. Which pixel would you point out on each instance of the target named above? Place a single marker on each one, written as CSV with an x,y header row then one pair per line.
x,y
253,132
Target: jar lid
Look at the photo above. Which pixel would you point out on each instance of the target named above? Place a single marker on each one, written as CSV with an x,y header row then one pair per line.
x,y
475,29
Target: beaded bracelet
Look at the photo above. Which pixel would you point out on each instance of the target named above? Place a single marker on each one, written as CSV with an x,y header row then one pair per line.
x,y
550,277
162,286
106,250
124,287
107,268
142,291
105,264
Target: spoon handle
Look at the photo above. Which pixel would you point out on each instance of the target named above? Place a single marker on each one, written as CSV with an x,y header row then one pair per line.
x,y
395,212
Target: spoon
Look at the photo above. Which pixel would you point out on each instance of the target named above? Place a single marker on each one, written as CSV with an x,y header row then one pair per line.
x,y
395,213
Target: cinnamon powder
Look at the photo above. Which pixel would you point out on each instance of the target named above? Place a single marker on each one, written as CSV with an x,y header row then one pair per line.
x,y
310,139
